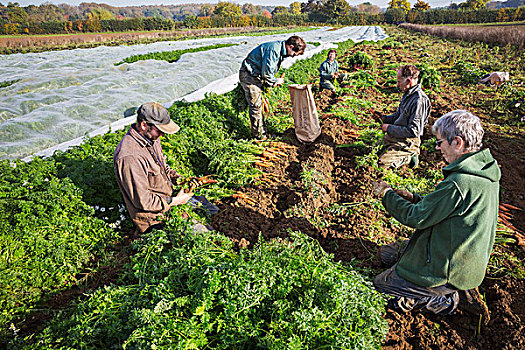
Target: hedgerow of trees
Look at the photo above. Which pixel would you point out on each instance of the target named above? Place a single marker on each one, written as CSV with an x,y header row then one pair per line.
x,y
92,17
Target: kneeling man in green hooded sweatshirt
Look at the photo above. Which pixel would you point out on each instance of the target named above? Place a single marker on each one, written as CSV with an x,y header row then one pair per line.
x,y
445,259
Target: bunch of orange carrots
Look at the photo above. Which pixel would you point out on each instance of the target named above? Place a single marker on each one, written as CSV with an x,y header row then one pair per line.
x,y
505,216
244,197
352,133
272,153
195,182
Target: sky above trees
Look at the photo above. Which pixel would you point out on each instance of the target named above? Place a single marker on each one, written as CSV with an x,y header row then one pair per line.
x,y
380,3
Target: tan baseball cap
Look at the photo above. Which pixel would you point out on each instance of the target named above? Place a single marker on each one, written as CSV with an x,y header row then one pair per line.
x,y
156,114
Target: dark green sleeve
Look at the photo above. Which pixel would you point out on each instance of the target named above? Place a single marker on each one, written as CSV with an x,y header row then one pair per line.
x,y
429,211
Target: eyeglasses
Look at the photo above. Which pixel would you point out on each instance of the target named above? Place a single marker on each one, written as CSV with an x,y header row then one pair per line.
x,y
439,142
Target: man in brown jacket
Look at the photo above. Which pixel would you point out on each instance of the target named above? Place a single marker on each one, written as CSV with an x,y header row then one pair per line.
x,y
144,178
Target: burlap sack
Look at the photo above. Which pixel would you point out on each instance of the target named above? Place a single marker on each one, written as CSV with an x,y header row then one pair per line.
x,y
305,117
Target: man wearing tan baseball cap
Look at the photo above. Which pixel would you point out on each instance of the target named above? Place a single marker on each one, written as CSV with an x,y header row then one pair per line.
x,y
157,115
144,178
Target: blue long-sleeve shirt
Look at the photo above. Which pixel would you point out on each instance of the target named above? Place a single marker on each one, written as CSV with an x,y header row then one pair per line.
x,y
264,61
326,70
410,118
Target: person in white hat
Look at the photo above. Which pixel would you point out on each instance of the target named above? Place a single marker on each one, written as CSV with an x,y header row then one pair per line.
x,y
143,176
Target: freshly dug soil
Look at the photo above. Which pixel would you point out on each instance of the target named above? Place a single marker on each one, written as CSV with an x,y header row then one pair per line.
x,y
283,202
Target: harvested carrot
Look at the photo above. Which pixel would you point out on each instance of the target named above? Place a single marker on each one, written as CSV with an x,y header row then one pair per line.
x,y
269,155
240,195
269,152
512,227
505,216
502,207
508,224
263,164
350,133
510,206
195,182
276,152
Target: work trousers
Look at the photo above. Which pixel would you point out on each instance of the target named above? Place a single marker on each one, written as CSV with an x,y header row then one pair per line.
x,y
398,152
201,202
252,87
409,296
327,84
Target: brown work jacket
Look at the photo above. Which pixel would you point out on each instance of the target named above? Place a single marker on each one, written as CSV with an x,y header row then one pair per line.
x,y
143,177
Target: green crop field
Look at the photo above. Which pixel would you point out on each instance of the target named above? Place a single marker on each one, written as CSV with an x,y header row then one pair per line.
x,y
290,262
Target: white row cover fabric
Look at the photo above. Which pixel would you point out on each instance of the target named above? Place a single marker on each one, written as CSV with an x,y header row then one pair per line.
x,y
63,96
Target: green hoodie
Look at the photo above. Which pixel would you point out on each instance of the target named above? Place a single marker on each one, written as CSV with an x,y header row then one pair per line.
x,y
455,224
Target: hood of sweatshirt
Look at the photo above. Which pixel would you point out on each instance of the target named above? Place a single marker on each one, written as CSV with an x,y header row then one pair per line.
x,y
480,163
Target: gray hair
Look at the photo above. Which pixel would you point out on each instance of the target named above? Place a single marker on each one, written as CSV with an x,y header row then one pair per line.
x,y
463,124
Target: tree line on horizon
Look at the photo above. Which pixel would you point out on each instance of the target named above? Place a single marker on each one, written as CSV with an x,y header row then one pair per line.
x,y
92,17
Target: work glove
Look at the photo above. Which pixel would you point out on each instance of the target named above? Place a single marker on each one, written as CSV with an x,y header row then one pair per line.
x,y
406,195
181,198
381,188
279,81
194,183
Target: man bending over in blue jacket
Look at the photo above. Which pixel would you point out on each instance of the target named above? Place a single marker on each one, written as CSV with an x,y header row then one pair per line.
x,y
258,70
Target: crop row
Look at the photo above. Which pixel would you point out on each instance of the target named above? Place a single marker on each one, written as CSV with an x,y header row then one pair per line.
x,y
72,208
169,56
194,290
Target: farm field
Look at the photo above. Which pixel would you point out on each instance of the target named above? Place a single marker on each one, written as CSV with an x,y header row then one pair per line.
x,y
138,292
502,34
38,43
